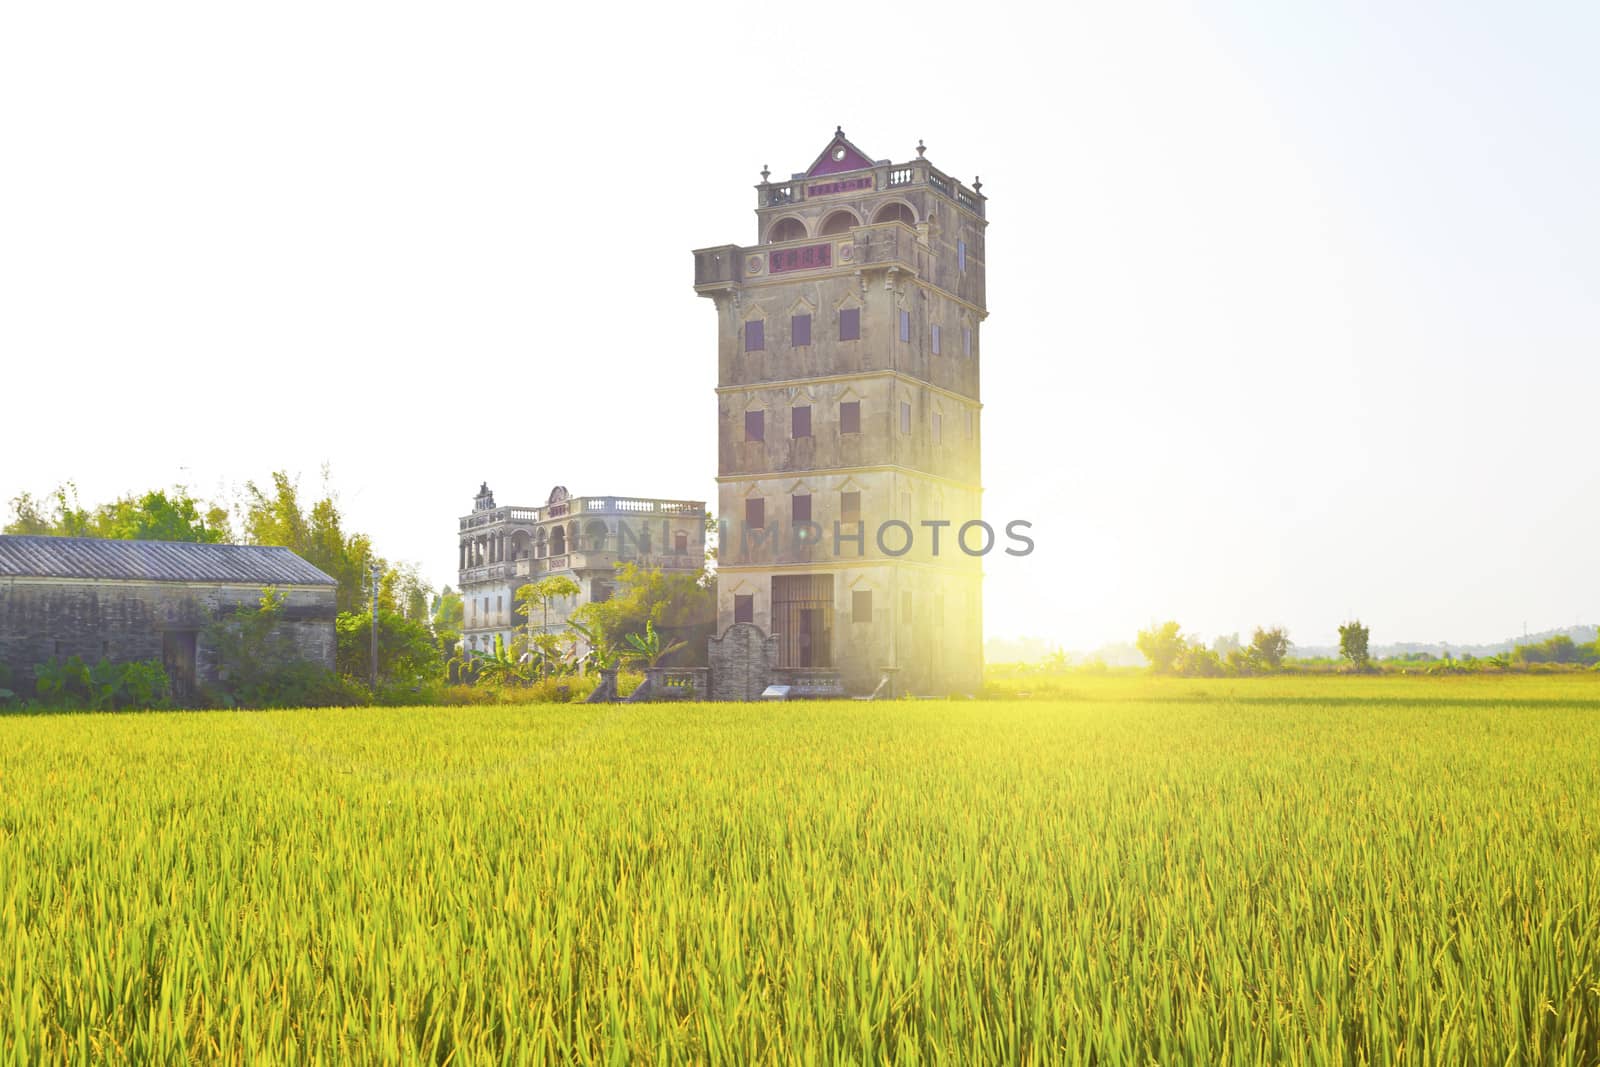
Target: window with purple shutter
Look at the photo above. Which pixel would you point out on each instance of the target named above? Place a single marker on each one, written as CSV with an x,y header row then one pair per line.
x,y
744,607
961,255
905,418
755,513
800,421
850,507
755,337
755,425
850,416
905,325
966,340
936,338
850,324
800,507
800,330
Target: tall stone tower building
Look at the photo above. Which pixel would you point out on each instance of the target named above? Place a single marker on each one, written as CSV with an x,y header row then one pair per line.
x,y
848,411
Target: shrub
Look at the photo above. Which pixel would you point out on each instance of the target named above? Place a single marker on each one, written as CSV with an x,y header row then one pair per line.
x,y
107,686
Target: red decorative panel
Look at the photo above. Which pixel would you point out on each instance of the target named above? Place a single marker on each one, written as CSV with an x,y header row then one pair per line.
x,y
848,185
809,257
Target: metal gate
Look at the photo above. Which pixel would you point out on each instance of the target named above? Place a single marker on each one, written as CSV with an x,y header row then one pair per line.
x,y
802,619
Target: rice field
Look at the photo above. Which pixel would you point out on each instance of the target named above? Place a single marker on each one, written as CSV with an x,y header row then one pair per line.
x,y
1336,870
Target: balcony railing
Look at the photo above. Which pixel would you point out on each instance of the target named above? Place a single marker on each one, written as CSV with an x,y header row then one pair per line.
x,y
597,505
717,266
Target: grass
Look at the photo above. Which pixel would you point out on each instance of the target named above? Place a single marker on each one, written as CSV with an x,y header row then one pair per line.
x,y
1126,870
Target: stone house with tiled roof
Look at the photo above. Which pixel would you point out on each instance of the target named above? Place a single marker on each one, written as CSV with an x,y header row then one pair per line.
x,y
149,600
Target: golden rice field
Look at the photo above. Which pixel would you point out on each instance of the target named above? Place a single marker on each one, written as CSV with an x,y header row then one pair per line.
x,y
1337,870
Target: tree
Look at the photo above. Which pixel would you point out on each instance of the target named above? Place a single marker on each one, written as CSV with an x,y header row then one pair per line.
x,y
449,618
407,653
1268,647
158,515
602,644
680,607
1226,645
542,592
1197,661
316,536
1353,644
1161,645
500,667
648,648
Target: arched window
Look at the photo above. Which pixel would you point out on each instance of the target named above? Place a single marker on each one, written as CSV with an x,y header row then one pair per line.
x,y
838,222
787,228
895,213
541,544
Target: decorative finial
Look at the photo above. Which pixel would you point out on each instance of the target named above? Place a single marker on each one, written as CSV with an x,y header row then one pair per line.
x,y
921,148
977,185
838,131
765,174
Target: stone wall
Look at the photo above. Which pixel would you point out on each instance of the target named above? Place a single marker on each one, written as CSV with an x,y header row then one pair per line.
x,y
42,618
741,662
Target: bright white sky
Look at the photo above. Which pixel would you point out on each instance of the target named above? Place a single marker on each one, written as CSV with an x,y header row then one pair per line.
x,y
1294,312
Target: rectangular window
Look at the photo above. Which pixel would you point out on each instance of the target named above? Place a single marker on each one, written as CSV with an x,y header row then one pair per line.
x,y
755,513
861,605
744,607
499,605
800,420
680,543
936,338
800,507
966,340
850,416
755,425
938,427
850,324
850,507
755,338
961,255
800,330
905,325
905,418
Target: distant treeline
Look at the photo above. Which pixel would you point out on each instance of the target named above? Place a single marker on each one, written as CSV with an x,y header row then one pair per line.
x,y
1167,650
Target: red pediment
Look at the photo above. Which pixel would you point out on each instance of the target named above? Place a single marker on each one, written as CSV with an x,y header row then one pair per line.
x,y
838,157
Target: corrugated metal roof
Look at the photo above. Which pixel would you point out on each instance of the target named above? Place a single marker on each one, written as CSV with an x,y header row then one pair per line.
x,y
28,556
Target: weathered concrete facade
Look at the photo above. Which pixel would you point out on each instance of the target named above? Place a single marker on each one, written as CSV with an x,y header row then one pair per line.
x,y
849,421
583,538
128,601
